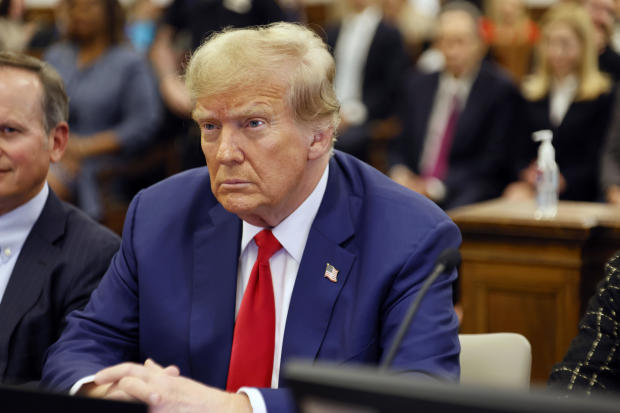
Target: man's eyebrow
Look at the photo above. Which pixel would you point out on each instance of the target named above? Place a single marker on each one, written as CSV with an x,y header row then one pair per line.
x,y
252,108
200,114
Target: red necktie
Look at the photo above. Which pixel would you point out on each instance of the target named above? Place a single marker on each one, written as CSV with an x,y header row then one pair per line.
x,y
251,359
440,167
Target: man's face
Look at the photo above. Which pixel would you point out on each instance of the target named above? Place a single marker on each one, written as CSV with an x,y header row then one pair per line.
x,y
459,42
257,154
25,148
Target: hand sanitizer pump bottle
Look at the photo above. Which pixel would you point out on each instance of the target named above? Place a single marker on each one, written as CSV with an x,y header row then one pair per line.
x,y
547,182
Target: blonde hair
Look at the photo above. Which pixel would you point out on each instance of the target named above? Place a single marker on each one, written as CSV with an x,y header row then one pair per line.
x,y
592,82
284,53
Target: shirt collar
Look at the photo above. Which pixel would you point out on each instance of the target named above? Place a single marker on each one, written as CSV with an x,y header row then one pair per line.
x,y
24,216
459,86
568,85
293,231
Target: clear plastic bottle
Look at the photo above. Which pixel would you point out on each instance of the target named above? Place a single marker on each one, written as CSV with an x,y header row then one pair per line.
x,y
547,180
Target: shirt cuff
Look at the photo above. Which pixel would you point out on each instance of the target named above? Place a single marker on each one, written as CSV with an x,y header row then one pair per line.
x,y
256,399
88,379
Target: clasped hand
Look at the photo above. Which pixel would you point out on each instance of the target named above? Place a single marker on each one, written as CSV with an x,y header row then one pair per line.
x,y
163,389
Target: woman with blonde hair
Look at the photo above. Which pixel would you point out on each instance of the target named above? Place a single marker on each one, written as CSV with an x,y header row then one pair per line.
x,y
570,96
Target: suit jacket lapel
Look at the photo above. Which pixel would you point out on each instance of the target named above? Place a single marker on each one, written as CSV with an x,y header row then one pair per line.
x,y
216,254
314,295
34,265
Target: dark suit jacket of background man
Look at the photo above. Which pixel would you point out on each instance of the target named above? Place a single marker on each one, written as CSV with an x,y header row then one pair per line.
x,y
383,72
61,262
170,292
477,168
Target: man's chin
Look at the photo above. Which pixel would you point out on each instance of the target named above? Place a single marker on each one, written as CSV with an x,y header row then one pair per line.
x,y
237,204
248,211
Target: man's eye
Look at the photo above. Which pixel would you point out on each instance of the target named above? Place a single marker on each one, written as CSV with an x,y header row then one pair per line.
x,y
209,126
6,130
255,123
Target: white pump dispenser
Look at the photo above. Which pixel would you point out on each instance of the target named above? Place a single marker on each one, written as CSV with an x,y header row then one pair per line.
x,y
547,180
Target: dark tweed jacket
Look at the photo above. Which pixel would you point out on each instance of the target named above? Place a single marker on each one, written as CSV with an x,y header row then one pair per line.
x,y
592,363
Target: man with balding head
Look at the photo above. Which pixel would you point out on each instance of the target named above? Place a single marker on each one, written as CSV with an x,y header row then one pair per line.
x,y
51,255
280,248
457,122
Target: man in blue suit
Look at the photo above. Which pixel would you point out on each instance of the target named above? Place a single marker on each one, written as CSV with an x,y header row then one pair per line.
x,y
342,248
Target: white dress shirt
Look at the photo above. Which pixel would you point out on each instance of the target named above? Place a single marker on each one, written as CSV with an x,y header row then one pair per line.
x,y
15,226
292,233
561,96
351,52
448,88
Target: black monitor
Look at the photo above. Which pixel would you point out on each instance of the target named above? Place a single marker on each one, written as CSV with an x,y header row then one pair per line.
x,y
20,400
320,388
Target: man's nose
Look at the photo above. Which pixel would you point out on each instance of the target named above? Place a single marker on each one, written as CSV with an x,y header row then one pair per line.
x,y
229,149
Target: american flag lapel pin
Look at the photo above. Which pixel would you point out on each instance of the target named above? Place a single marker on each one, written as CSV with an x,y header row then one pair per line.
x,y
331,273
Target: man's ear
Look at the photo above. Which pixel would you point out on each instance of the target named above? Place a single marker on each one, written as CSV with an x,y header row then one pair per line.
x,y
322,141
59,136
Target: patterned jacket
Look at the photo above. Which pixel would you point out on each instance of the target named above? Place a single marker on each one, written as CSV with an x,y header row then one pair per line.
x,y
592,363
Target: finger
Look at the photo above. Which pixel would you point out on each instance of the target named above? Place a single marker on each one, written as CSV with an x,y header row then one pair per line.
x,y
115,393
151,364
139,390
172,370
117,372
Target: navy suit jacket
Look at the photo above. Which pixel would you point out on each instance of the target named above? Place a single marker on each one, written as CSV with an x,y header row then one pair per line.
x,y
170,291
477,165
60,264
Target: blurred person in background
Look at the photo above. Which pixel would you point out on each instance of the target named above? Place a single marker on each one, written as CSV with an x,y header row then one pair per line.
x,y
457,122
602,14
370,63
511,35
293,10
115,108
15,34
615,37
200,19
142,18
415,26
183,27
610,168
570,96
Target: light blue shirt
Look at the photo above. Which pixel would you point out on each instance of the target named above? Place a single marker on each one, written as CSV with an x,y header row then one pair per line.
x,y
15,226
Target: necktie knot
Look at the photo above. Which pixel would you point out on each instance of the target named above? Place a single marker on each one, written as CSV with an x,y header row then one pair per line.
x,y
267,244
